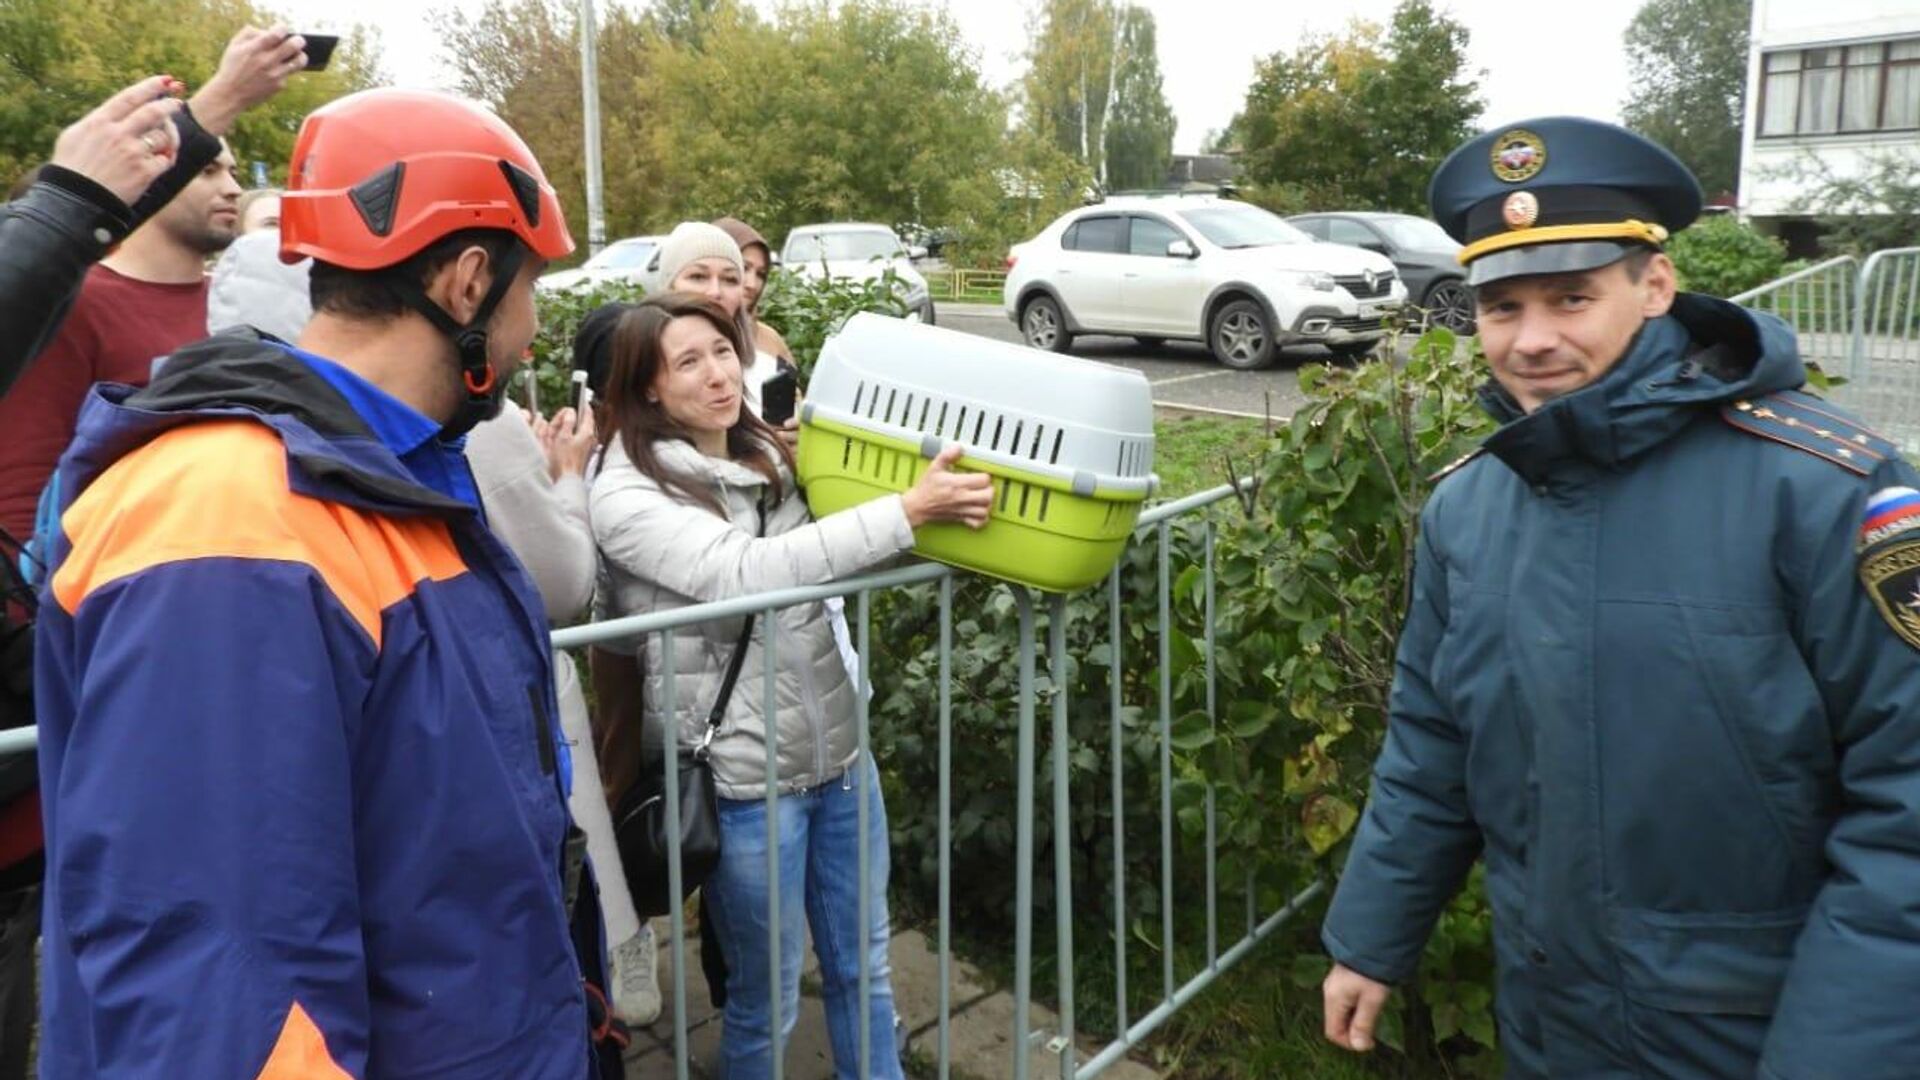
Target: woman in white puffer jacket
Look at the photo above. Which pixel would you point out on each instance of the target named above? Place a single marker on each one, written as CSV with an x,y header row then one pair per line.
x,y
696,502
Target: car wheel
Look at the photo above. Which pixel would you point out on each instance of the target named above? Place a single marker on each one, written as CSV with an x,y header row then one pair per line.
x,y
1450,304
1354,350
1241,337
1151,342
1044,326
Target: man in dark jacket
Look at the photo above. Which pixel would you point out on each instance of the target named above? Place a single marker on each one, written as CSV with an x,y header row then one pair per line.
x,y
1661,668
112,170
302,775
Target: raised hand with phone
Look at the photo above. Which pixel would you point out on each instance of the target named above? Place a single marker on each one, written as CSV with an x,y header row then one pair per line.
x,y
568,438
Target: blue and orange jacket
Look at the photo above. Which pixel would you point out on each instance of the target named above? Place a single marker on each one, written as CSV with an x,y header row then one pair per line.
x,y
300,770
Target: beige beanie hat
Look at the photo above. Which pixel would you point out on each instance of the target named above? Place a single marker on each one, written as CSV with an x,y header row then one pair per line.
x,y
692,241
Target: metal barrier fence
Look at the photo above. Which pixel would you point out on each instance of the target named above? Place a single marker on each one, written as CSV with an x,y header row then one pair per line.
x,y
1157,521
959,284
1860,321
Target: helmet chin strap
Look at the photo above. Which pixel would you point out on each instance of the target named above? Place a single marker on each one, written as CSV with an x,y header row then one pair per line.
x,y
481,389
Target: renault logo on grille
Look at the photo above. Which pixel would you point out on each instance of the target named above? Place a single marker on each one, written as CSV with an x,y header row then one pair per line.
x,y
1371,279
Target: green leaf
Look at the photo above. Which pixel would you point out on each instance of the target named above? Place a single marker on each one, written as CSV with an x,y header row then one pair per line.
x,y
1191,731
1248,719
1326,820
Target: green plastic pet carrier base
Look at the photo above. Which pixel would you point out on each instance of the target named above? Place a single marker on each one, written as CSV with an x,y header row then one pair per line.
x,y
1039,533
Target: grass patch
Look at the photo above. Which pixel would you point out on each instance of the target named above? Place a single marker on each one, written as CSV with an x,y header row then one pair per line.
x,y
1191,452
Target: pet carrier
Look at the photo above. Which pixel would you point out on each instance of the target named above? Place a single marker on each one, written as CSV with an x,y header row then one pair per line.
x,y
1069,444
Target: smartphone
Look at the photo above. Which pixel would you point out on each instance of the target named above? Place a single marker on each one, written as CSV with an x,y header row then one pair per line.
x,y
320,50
777,397
582,396
533,390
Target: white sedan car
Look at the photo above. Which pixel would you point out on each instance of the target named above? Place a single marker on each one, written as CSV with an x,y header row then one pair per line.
x,y
859,252
623,261
1198,268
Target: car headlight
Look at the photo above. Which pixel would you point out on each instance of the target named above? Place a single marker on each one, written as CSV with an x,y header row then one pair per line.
x,y
1318,281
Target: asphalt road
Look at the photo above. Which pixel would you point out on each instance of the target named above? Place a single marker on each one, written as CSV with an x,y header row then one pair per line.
x,y
1183,373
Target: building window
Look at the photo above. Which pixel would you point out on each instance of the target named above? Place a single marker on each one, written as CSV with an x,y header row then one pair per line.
x,y
1841,89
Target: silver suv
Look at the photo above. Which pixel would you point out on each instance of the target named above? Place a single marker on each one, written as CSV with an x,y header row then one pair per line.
x,y
1198,268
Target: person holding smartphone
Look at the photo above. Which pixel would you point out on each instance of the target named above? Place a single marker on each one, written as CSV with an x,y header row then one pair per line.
x,y
697,503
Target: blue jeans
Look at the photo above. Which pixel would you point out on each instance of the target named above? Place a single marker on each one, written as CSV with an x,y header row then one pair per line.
x,y
820,877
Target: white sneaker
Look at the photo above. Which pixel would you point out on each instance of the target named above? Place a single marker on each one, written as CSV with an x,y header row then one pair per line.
x,y
636,986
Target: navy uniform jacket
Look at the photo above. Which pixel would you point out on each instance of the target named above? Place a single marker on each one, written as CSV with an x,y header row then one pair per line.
x,y
1642,677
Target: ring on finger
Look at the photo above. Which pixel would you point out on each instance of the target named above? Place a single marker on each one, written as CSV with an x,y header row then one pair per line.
x,y
153,145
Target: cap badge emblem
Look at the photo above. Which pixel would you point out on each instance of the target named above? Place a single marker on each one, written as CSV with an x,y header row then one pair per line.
x,y
1521,210
1518,156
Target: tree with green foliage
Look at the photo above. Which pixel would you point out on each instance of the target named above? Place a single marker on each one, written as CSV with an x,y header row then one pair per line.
x,y
1359,120
1140,123
1688,64
1069,79
60,58
522,57
861,109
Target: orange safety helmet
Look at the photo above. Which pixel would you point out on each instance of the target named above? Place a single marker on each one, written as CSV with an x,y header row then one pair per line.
x,y
378,176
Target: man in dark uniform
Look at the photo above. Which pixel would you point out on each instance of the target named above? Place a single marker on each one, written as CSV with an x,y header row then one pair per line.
x,y
1661,668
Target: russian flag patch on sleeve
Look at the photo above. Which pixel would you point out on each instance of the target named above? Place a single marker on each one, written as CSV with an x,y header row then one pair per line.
x,y
1890,559
1890,512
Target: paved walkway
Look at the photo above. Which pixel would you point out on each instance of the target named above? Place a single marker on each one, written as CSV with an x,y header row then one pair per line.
x,y
980,1033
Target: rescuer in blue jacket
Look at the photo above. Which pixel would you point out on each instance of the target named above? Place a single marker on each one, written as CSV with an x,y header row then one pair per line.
x,y
1661,668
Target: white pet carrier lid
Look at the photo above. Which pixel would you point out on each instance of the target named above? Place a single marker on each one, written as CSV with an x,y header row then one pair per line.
x,y
1088,423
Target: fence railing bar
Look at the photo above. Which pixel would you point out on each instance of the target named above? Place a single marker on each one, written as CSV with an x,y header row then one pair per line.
x,y
677,916
1213,724
1117,751
1252,905
1753,294
864,780
1161,513
734,607
1133,1036
1023,847
770,649
943,1045
1062,829
1166,765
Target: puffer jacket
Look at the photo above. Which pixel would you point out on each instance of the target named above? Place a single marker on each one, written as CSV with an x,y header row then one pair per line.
x,y
1642,678
662,553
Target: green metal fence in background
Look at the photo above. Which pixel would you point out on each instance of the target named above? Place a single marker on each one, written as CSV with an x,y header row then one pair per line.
x,y
1155,523
968,286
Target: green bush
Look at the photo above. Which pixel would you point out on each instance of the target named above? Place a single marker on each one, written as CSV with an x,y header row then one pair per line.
x,y
1723,256
1311,581
807,311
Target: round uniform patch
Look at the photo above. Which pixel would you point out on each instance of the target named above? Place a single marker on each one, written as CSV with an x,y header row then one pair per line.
x,y
1518,156
1892,577
1522,209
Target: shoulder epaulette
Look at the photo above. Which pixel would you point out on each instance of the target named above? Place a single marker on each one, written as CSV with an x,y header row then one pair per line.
x,y
1811,425
1456,465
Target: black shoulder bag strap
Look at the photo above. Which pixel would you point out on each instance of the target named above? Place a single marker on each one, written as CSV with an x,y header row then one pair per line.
x,y
739,652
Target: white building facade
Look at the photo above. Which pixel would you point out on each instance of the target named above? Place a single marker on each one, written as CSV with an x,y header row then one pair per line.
x,y
1832,80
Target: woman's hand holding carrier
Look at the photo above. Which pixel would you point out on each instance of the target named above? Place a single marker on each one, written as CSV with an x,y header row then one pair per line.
x,y
942,495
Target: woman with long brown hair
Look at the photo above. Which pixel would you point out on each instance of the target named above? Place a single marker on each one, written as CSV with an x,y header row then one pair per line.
x,y
696,502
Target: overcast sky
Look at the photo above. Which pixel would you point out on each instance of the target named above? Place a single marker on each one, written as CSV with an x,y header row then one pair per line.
x,y
1538,58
